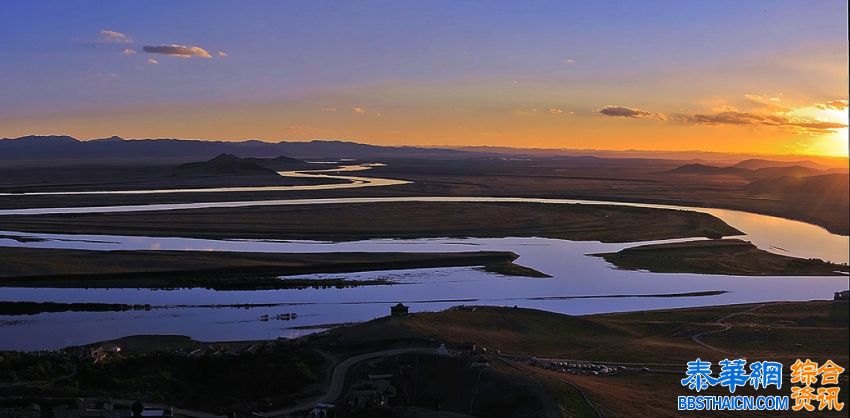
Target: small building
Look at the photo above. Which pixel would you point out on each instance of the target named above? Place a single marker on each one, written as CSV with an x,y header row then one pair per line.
x,y
442,351
842,295
398,310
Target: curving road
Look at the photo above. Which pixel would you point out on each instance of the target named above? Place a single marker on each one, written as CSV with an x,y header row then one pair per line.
x,y
724,327
337,382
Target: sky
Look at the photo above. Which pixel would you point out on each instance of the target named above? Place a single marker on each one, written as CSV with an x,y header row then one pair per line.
x,y
767,77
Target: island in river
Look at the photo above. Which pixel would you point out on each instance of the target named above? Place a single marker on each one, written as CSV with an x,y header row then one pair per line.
x,y
221,270
408,220
723,256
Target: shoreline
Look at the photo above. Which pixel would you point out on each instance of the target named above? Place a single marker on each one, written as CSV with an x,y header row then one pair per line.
x,y
58,268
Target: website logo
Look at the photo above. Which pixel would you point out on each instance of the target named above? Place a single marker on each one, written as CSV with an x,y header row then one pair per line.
x,y
813,386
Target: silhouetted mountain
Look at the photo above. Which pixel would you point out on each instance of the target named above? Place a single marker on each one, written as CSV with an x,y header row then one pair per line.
x,y
224,164
710,170
759,174
281,163
792,171
758,163
835,185
68,148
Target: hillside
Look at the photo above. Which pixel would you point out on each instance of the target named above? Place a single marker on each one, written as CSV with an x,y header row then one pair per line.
x,y
835,185
710,170
224,164
281,163
758,163
792,171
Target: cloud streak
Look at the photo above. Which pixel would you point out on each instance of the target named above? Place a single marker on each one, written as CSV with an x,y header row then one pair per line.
x,y
753,119
768,112
629,112
175,50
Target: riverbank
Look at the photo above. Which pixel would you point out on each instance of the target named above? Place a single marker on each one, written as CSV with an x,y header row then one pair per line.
x,y
34,267
727,256
359,221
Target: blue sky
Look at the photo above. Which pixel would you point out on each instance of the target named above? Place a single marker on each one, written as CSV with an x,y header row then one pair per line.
x,y
407,58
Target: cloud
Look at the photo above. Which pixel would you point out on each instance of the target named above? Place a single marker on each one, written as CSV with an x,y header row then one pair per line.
x,y
128,51
328,109
629,112
761,111
152,61
113,37
556,111
222,54
178,51
780,120
358,110
835,104
765,103
569,61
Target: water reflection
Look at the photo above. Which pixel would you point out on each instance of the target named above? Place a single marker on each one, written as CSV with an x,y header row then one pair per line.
x,y
574,274
351,182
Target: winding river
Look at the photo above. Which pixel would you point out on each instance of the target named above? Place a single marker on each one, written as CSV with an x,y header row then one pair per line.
x,y
580,284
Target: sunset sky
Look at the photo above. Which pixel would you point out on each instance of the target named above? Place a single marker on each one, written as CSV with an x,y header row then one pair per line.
x,y
745,76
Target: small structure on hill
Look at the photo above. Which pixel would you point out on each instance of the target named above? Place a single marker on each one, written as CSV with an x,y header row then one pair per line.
x,y
442,351
398,310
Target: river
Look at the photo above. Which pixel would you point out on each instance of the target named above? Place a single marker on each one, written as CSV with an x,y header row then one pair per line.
x,y
575,275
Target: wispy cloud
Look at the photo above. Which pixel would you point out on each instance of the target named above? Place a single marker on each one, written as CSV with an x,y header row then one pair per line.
x,y
358,110
113,37
175,50
629,112
835,104
152,61
761,111
222,54
328,109
128,51
569,61
800,124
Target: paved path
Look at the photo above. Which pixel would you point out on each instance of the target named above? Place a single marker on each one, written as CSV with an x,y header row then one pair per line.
x,y
725,327
338,380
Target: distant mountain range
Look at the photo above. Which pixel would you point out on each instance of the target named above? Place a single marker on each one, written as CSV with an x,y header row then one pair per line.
x,y
762,169
62,147
68,148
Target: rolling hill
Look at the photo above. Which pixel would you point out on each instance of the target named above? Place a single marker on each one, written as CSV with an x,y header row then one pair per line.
x,y
835,185
61,147
758,163
224,164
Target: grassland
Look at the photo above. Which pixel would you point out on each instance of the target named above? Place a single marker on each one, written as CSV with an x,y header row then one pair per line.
x,y
31,267
663,341
727,256
344,222
618,179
